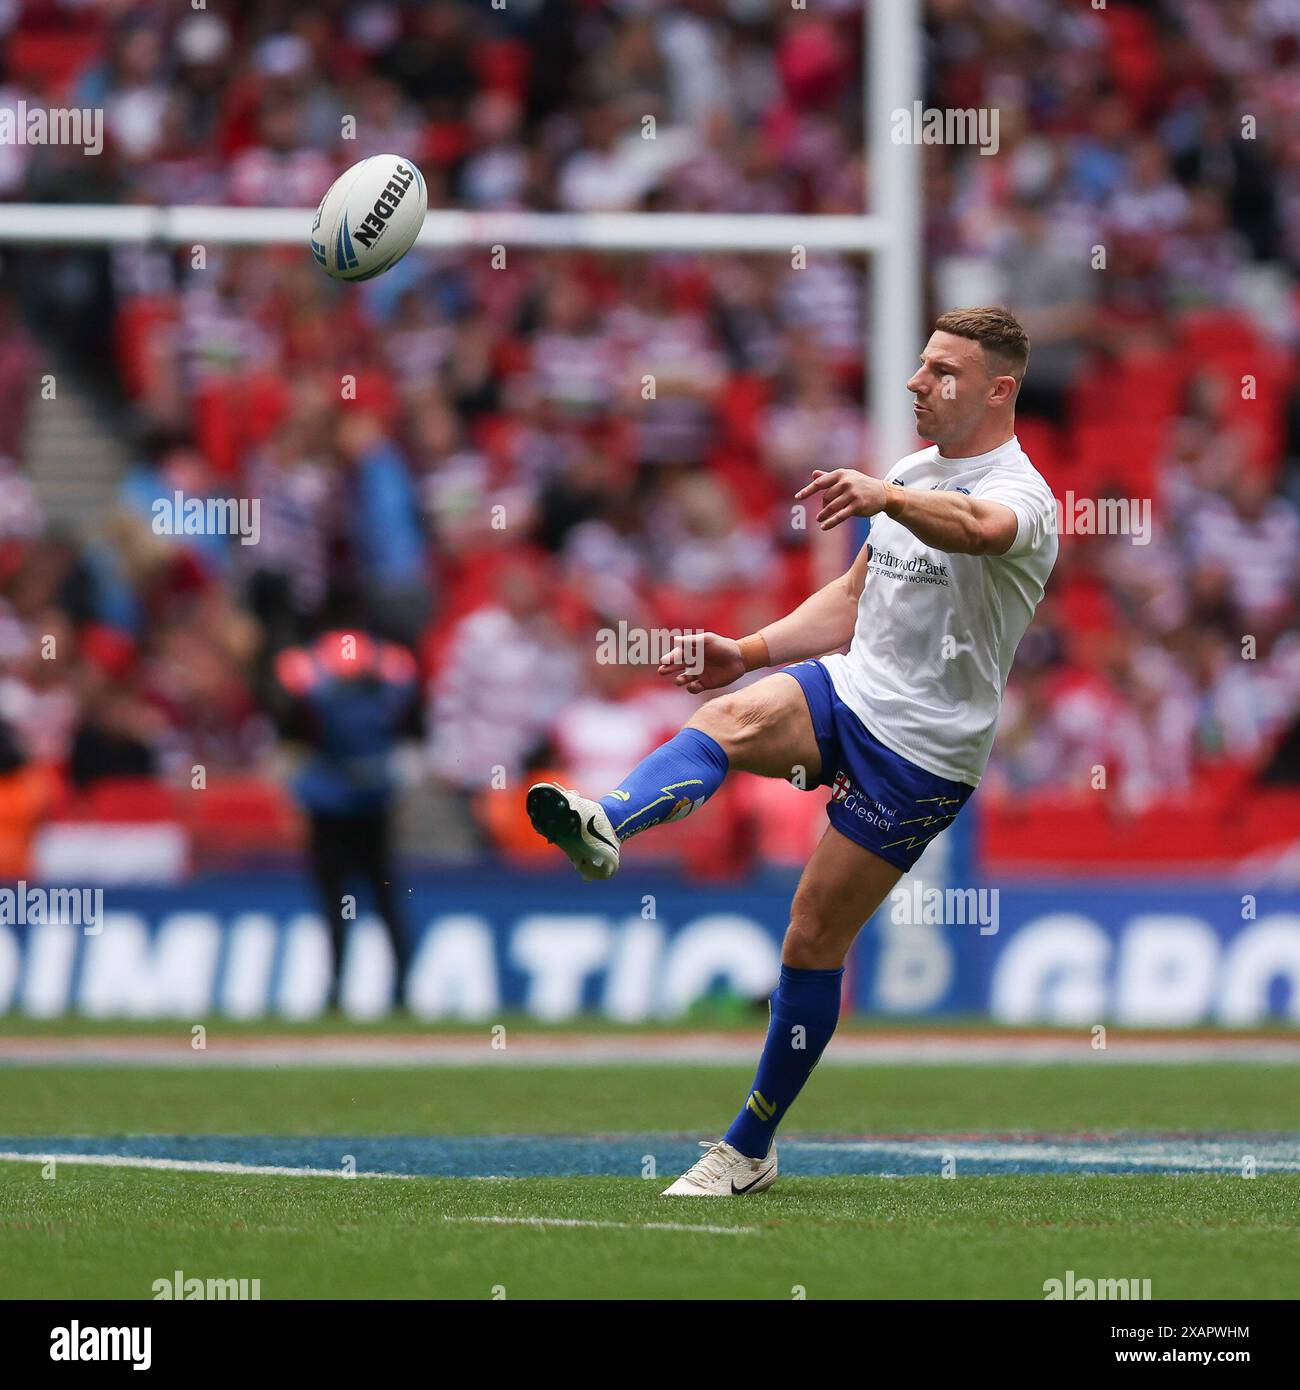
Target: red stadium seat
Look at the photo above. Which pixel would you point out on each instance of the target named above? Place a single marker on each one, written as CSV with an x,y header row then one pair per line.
x,y
240,815
1133,55
51,60
503,66
740,411
1255,375
1119,456
1207,333
234,414
141,331
121,800
1216,827
1140,387
1042,442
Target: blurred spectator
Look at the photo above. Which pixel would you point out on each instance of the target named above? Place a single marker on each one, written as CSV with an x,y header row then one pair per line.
x,y
20,510
350,696
282,170
1255,537
1050,287
114,739
27,790
18,368
510,671
392,565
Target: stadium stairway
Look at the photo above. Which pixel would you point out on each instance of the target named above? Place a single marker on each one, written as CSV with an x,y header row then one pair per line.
x,y
430,822
73,450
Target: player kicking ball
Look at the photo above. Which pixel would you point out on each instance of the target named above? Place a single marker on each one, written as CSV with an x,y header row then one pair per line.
x,y
963,538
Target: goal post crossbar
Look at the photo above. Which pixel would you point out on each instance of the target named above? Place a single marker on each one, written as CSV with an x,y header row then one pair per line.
x,y
115,224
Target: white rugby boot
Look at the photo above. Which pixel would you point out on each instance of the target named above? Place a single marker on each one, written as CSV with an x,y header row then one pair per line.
x,y
578,825
725,1172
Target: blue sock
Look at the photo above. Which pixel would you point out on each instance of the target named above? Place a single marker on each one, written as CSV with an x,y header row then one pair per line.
x,y
805,1010
674,780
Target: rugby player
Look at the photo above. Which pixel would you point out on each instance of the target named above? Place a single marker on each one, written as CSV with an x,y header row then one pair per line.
x,y
962,540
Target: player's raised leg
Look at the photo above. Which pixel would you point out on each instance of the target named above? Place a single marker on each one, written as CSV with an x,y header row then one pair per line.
x,y
764,728
841,887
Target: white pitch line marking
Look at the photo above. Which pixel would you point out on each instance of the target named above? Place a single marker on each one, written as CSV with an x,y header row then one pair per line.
x,y
191,1165
1221,1161
690,1050
604,1225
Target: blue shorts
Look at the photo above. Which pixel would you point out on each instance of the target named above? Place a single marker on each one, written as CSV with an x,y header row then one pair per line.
x,y
878,799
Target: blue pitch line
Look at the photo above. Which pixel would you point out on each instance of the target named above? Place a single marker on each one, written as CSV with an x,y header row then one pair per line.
x,y
529,1156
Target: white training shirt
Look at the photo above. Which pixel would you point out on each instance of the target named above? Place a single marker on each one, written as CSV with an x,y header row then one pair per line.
x,y
933,702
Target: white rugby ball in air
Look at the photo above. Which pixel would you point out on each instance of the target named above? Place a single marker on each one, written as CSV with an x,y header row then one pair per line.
x,y
369,218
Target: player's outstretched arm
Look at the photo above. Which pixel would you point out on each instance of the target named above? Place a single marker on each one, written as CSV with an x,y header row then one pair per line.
x,y
949,521
822,623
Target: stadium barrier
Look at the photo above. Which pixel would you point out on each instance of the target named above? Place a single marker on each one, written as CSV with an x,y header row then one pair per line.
x,y
1138,954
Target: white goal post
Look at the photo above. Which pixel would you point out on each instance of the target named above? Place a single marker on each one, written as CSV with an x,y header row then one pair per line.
x,y
890,237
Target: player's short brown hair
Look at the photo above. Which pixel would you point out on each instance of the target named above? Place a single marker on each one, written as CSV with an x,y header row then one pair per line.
x,y
997,331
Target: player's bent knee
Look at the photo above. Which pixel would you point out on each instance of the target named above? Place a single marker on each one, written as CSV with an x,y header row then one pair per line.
x,y
817,938
808,947
731,719
764,729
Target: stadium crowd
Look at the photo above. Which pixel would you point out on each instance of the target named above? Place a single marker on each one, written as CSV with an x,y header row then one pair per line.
x,y
506,461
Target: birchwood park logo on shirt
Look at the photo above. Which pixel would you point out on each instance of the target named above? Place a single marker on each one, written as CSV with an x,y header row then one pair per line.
x,y
918,569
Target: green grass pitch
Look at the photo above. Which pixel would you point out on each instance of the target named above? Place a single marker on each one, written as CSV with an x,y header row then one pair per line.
x,y
111,1232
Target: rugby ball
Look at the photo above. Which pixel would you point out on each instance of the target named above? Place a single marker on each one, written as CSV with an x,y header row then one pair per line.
x,y
369,218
